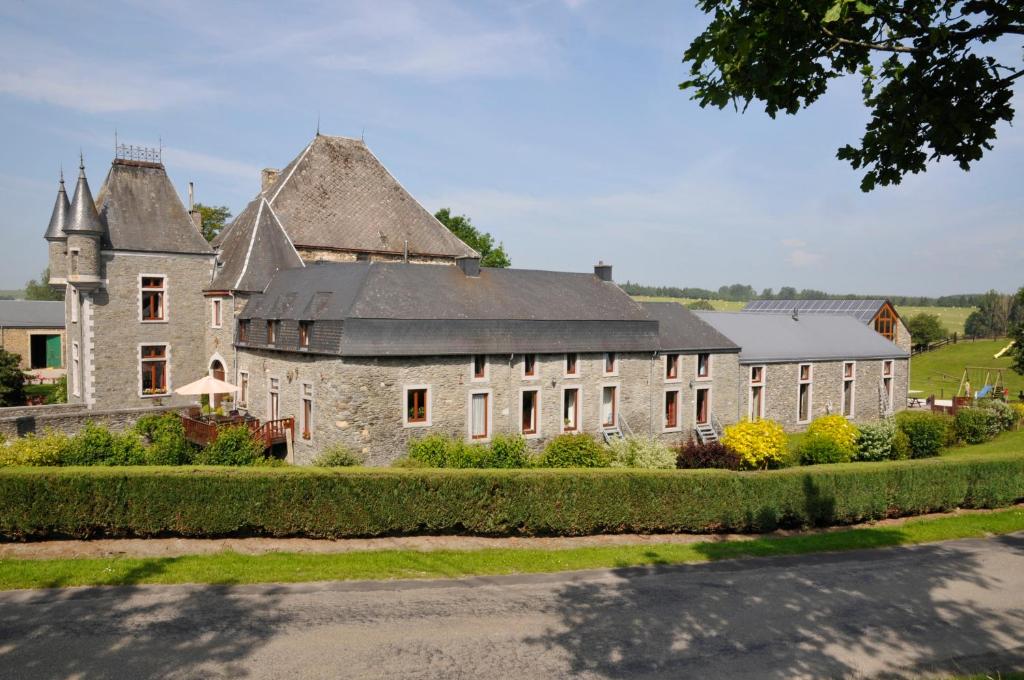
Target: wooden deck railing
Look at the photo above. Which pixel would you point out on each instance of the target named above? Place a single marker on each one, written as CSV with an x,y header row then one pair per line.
x,y
205,432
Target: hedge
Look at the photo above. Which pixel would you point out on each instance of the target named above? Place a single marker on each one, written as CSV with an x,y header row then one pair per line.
x,y
141,501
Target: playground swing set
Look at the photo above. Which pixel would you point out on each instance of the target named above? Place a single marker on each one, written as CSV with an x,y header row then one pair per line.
x,y
990,379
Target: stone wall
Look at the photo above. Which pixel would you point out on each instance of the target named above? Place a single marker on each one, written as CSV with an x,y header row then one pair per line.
x,y
359,402
309,254
903,339
67,418
19,341
220,341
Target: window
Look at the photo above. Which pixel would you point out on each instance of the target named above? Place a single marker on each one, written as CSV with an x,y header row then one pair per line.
x,y
153,363
530,411
306,414
671,367
804,396
74,305
849,378
76,370
887,368
756,392
272,332
479,367
885,323
417,406
671,413
274,399
887,375
572,364
215,312
479,416
153,302
243,330
74,261
243,388
571,409
610,363
703,406
304,331
609,406
704,365
529,365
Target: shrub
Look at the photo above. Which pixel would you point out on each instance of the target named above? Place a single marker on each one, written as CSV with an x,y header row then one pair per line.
x,y
337,455
165,436
900,445
836,429
509,451
93,445
694,454
233,446
876,441
431,451
1004,415
49,449
975,425
1018,409
59,395
927,432
465,455
761,444
573,451
641,452
820,448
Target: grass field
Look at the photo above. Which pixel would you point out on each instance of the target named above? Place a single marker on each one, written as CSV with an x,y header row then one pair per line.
x,y
938,372
952,318
719,305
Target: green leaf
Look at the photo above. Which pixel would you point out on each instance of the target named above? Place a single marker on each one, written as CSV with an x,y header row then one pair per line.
x,y
865,8
834,12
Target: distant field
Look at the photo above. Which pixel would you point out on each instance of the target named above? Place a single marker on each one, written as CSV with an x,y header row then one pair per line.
x,y
720,305
15,294
939,372
952,318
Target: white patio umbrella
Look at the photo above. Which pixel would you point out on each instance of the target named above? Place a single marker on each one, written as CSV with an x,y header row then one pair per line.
x,y
208,385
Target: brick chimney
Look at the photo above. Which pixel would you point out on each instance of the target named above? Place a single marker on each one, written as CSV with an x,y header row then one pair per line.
x,y
268,177
470,266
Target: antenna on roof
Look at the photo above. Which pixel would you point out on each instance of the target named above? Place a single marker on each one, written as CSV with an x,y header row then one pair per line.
x,y
318,122
115,141
796,314
362,134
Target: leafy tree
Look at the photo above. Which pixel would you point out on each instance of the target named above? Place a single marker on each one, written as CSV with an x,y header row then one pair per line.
x,y
214,219
480,241
12,380
926,329
41,290
1017,335
996,314
928,75
701,305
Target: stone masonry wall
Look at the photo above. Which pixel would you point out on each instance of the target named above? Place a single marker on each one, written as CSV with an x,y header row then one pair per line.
x,y
68,419
359,402
903,339
220,341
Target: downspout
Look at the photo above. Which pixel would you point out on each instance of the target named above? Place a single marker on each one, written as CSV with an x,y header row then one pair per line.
x,y
513,405
650,404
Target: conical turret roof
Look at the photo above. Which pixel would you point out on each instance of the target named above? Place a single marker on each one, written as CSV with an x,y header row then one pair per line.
x,y
61,213
84,217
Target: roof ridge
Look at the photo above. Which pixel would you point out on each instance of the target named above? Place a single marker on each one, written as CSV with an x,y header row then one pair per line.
x,y
298,162
252,241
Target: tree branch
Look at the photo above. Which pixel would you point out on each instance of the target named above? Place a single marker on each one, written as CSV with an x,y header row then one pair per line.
x,y
881,47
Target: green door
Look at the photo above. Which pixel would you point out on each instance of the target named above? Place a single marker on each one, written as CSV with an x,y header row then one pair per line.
x,y
53,354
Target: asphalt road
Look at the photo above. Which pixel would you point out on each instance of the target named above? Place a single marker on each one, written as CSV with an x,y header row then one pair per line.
x,y
942,607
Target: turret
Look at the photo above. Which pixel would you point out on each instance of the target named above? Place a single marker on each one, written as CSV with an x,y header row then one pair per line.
x,y
57,239
85,233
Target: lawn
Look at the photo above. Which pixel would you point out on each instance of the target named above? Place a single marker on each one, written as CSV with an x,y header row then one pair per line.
x,y
952,318
938,372
234,568
719,305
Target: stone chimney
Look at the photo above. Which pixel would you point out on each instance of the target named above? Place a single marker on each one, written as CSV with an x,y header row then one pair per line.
x,y
268,177
197,219
603,271
470,266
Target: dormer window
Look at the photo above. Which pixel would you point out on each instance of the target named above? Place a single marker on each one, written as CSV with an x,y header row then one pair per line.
x,y
305,328
243,330
272,332
154,289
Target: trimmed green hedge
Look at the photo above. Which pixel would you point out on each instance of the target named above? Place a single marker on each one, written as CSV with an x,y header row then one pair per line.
x,y
38,502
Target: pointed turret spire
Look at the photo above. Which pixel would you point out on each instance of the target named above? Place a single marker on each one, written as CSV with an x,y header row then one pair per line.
x,y
60,215
84,217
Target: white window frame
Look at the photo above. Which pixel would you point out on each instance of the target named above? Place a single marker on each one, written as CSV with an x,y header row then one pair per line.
x,y
889,380
536,367
270,391
165,299
615,364
800,382
616,402
76,369
303,425
679,409
472,368
167,366
565,365
536,434
74,259
696,367
216,312
853,390
888,368
405,406
750,392
579,409
243,394
488,416
711,403
74,305
679,368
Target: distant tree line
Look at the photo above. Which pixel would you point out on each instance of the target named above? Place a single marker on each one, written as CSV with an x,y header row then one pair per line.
x,y
739,292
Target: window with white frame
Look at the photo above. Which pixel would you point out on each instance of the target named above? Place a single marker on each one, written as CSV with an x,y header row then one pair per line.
x,y
306,412
153,367
74,305
274,399
702,405
611,363
479,415
153,295
849,388
416,406
478,367
243,388
529,408
216,312
757,385
572,364
609,406
571,409
887,379
529,365
671,367
76,370
703,366
671,421
805,382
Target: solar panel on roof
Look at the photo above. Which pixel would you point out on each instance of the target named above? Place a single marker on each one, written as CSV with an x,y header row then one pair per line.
x,y
864,310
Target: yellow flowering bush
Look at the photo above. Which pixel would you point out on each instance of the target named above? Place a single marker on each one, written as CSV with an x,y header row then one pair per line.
x,y
1019,410
47,449
760,444
838,430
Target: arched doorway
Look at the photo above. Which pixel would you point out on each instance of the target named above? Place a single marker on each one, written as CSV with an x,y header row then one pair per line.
x,y
216,371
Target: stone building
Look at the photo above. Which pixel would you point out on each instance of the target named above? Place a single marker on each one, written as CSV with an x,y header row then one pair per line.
x,y
797,367
34,330
877,314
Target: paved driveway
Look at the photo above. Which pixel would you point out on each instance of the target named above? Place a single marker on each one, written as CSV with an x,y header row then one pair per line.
x,y
957,605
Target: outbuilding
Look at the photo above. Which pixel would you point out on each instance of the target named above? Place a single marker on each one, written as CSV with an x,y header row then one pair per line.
x,y
34,330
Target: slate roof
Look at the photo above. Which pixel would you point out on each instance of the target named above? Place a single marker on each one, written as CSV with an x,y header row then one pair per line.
x,y
31,314
777,338
863,310
680,330
254,251
337,195
60,216
84,217
399,309
142,211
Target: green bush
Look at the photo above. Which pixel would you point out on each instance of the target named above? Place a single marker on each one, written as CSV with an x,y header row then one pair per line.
x,y
127,449
464,455
927,432
975,425
431,451
573,451
337,455
233,446
838,430
509,451
96,445
1003,414
876,441
641,452
334,503
50,448
819,448
165,438
900,445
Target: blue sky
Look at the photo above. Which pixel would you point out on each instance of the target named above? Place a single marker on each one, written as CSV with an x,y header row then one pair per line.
x,y
556,125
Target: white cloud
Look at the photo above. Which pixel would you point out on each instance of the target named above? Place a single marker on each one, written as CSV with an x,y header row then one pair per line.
x,y
793,243
802,258
206,163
